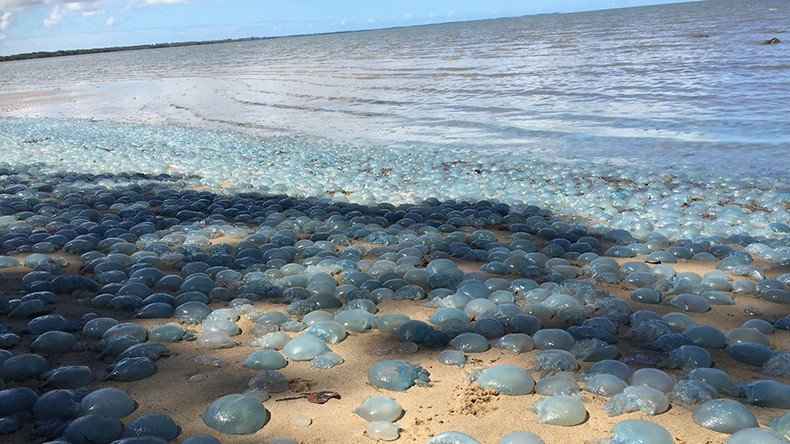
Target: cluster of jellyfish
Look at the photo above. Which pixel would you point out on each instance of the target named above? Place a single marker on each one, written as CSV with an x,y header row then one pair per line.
x,y
146,249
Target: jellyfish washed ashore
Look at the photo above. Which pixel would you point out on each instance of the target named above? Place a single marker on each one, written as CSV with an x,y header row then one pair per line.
x,y
275,280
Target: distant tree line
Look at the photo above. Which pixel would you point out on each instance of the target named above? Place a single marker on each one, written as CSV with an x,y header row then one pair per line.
x,y
61,53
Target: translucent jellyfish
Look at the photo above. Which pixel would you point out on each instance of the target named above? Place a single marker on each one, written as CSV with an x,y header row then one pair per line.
x,y
558,384
593,350
781,425
304,348
382,431
515,342
236,415
552,338
328,331
548,362
130,369
706,336
452,357
452,437
397,375
686,357
357,320
756,435
108,401
326,360
470,343
53,342
611,367
521,438
170,332
21,367
724,415
96,327
57,405
93,429
270,381
68,377
159,425
750,353
193,312
689,393
214,340
560,410
15,400
778,365
678,321
639,431
264,360
507,380
387,323
379,408
746,334
605,385
638,398
768,393
273,340
654,378
718,379
691,303
201,439
151,350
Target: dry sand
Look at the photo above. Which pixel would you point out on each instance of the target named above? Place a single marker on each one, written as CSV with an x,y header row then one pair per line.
x,y
450,403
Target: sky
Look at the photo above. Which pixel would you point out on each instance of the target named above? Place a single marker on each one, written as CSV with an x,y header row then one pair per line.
x,y
47,25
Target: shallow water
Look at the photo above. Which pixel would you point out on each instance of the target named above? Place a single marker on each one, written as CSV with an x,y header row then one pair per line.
x,y
675,82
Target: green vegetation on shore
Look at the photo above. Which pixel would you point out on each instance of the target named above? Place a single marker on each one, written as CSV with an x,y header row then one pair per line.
x,y
61,53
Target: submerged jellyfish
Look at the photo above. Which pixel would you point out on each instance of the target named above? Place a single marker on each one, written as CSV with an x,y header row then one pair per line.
x,y
236,415
397,375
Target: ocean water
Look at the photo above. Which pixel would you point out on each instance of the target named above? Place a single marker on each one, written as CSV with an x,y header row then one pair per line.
x,y
686,83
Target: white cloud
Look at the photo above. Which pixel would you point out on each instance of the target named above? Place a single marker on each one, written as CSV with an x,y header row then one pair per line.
x,y
110,21
62,10
166,2
6,19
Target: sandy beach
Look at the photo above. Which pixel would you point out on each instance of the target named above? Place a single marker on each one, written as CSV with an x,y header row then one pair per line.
x,y
450,403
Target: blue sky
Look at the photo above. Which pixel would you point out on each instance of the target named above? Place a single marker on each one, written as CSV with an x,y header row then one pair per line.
x,y
44,25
